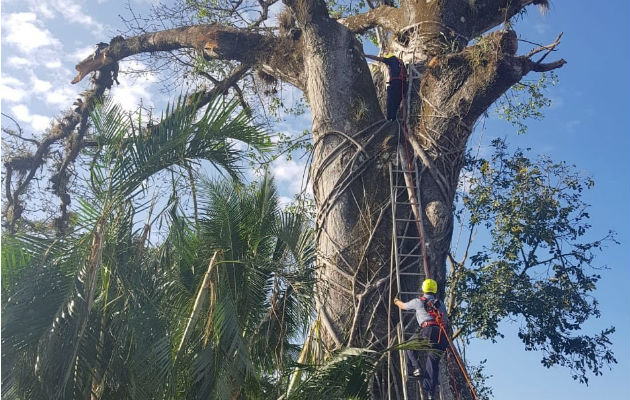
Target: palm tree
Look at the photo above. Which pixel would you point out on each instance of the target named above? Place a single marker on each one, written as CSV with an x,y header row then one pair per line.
x,y
74,306
258,288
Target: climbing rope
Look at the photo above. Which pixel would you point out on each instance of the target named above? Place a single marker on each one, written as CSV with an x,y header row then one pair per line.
x,y
451,347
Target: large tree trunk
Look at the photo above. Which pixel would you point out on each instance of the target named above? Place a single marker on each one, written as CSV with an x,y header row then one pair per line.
x,y
353,142
354,146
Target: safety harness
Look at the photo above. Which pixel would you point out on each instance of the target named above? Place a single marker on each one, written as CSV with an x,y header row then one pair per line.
x,y
431,307
402,72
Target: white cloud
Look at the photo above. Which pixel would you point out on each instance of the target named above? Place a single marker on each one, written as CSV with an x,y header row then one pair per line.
x,y
11,89
37,121
73,12
289,172
53,64
39,85
129,96
24,32
61,97
133,91
43,9
19,62
40,122
68,10
21,112
80,53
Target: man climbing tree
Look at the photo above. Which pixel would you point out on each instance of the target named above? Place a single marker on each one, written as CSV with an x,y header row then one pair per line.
x,y
430,312
397,85
472,65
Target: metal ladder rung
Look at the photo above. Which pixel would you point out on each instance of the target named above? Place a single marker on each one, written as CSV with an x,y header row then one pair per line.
x,y
407,202
400,193
411,273
410,255
404,171
405,220
408,237
405,186
403,292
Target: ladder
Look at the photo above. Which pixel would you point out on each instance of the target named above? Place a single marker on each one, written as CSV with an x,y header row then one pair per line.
x,y
408,261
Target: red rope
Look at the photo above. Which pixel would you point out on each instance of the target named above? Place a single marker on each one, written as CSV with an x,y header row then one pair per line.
x,y
440,322
452,376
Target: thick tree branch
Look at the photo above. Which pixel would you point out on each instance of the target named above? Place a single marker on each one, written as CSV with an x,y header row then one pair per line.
x,y
484,72
383,16
280,55
545,67
30,164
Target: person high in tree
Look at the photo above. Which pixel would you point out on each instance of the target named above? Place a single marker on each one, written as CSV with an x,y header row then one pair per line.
x,y
397,85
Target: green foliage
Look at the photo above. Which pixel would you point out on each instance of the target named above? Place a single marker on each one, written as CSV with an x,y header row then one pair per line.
x,y
287,144
344,376
537,264
341,9
526,100
480,380
101,311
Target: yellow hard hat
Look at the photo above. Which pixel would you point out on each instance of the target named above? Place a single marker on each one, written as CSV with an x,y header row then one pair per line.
x,y
429,286
389,55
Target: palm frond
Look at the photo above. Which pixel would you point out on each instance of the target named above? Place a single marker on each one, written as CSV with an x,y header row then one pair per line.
x,y
345,375
181,137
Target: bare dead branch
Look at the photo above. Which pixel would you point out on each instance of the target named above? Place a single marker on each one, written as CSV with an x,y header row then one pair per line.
x,y
20,132
550,47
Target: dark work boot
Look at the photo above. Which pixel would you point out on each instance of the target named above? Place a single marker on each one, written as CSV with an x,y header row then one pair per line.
x,y
430,395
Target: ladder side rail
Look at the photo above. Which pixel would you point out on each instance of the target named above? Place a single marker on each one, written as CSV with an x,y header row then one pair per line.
x,y
389,305
403,368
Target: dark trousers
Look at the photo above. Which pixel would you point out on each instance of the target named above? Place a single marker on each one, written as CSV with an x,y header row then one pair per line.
x,y
394,97
431,368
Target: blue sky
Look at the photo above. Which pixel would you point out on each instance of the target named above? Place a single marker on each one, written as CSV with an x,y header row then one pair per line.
x,y
588,125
